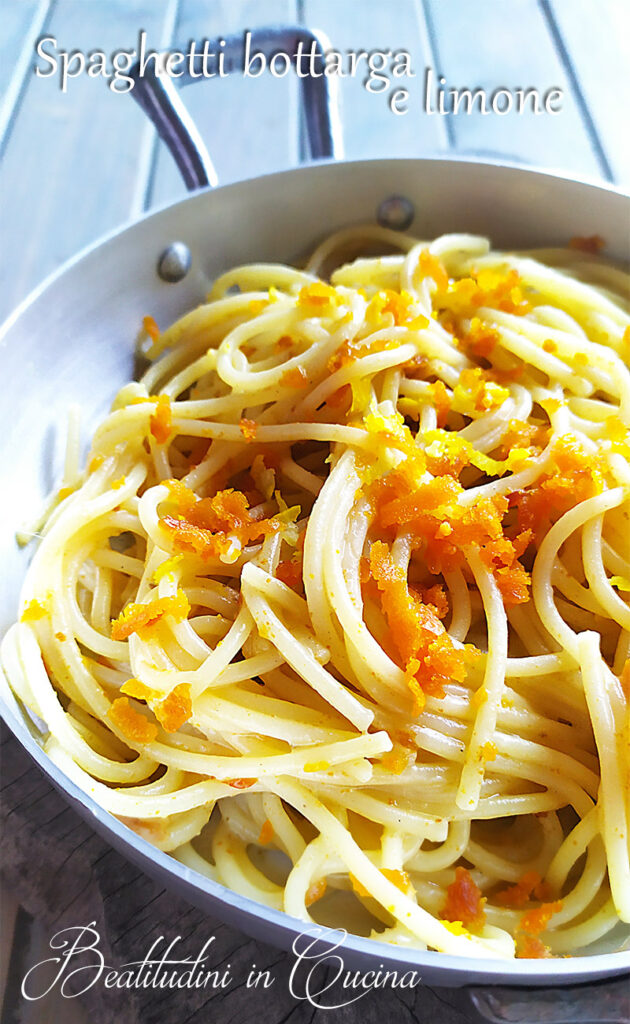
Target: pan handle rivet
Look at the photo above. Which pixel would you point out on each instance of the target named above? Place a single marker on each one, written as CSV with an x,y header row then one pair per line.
x,y
395,212
174,262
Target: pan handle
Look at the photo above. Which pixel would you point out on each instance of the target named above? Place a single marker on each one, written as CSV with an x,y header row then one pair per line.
x,y
155,92
602,1002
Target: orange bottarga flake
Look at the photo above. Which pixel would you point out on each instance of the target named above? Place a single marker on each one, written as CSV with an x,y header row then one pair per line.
x,y
316,297
495,289
352,350
315,892
440,400
364,569
61,637
431,266
426,649
398,759
533,922
402,609
151,327
400,501
358,886
296,377
576,475
588,243
175,709
476,390
399,306
436,598
203,526
340,398
226,510
290,572
284,342
131,723
139,618
433,514
406,739
416,690
571,458
513,583
34,611
501,557
399,878
531,948
266,833
248,428
464,901
135,688
508,376
182,496
521,434
240,783
480,338
453,456
530,885
189,537
347,353
161,423
549,346
488,751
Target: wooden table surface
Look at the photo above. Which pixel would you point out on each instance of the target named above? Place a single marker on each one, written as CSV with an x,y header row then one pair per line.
x,y
76,165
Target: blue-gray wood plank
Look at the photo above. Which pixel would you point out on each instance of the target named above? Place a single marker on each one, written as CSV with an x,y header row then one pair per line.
x,y
493,45
70,165
596,40
21,24
369,126
16,20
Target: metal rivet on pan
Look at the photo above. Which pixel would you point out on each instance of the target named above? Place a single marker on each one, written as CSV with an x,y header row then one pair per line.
x,y
395,212
174,263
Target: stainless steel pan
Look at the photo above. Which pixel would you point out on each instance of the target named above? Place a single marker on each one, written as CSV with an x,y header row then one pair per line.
x,y
72,341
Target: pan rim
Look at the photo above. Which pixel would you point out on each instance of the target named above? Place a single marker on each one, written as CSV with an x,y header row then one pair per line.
x,y
539,173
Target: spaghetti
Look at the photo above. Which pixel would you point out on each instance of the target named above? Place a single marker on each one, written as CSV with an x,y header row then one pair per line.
x,y
338,612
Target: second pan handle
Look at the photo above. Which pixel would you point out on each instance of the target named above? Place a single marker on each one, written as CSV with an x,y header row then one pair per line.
x,y
158,96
